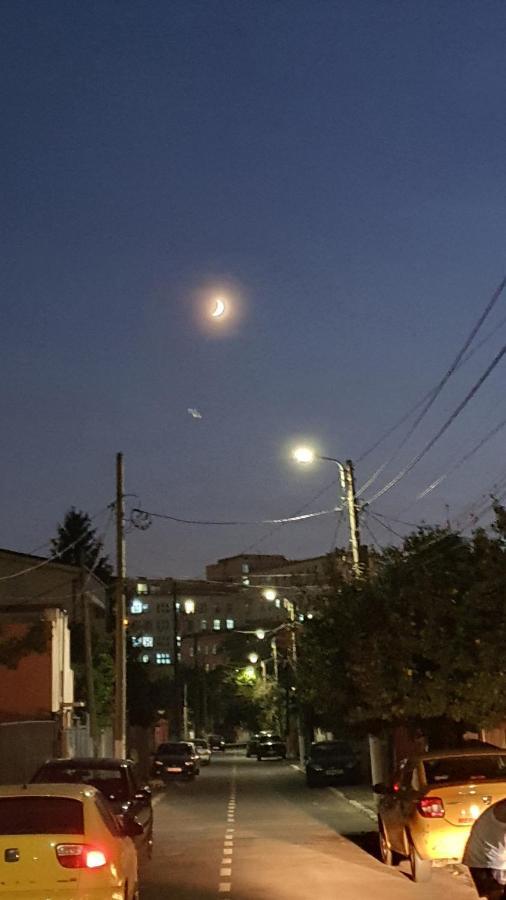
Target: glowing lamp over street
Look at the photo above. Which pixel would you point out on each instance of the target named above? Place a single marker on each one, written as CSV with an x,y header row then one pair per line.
x,y
253,657
270,594
250,672
304,455
260,633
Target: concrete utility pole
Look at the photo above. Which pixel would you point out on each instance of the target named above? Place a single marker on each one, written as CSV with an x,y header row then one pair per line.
x,y
348,485
120,656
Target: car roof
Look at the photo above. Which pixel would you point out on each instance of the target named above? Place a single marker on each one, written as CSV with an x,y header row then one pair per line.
x,y
456,754
72,791
89,762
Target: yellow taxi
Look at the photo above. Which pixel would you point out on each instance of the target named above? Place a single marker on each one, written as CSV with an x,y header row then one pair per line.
x,y
427,811
61,842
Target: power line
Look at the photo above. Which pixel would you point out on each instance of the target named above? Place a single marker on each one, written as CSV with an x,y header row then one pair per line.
x,y
142,516
416,459
50,559
430,398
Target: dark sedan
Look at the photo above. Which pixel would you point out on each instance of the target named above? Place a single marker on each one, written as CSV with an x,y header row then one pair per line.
x,y
217,742
176,759
118,782
270,746
332,761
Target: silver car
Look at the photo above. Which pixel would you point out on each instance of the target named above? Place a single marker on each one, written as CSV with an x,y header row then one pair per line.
x,y
204,751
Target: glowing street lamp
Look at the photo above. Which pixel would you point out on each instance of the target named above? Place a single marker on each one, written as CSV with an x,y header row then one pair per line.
x,y
189,606
304,455
250,673
270,594
260,633
253,657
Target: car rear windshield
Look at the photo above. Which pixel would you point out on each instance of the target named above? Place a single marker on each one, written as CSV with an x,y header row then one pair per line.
x,y
41,815
174,749
111,782
268,738
201,744
333,748
458,769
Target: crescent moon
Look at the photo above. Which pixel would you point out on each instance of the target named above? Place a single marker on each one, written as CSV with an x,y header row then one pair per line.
x,y
219,308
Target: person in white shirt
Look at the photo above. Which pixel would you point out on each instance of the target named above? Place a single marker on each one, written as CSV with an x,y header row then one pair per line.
x,y
485,852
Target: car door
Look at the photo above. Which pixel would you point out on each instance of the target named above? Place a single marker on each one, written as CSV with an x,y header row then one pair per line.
x,y
141,807
393,806
124,846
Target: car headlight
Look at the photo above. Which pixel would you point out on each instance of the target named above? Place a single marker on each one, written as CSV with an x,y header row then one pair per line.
x,y
188,762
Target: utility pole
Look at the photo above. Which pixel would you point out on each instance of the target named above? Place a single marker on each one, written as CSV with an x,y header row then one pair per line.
x,y
177,691
348,485
120,656
88,664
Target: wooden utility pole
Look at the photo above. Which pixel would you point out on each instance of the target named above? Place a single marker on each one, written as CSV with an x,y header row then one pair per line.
x,y
175,662
120,656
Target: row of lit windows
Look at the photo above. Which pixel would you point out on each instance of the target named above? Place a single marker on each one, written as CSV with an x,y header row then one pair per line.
x,y
161,659
206,650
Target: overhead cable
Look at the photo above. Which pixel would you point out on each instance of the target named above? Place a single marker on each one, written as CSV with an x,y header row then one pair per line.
x,y
429,399
299,518
416,459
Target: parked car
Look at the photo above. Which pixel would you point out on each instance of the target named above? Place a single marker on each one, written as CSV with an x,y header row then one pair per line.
x,y
118,782
332,761
217,742
269,746
252,745
176,759
204,751
62,840
427,811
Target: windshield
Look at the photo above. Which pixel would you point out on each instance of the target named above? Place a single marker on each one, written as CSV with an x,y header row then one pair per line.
x,y
111,782
175,749
202,745
464,768
268,738
41,815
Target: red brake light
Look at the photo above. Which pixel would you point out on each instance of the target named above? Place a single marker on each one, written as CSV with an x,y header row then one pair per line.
x,y
431,808
80,856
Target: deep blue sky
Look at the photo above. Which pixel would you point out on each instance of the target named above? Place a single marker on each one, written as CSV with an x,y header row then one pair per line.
x,y
341,164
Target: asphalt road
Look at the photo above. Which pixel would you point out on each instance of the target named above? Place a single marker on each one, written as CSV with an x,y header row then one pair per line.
x,y
253,831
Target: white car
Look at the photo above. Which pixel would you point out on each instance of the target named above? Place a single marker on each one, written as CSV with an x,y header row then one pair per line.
x,y
204,751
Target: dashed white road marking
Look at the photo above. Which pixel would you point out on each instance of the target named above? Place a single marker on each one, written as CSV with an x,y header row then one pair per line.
x,y
225,872
225,887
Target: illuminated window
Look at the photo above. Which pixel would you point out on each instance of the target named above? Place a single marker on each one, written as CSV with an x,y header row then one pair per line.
x,y
145,658
142,587
147,640
178,640
137,606
203,624
136,642
163,659
245,580
216,624
215,649
245,568
230,624
278,602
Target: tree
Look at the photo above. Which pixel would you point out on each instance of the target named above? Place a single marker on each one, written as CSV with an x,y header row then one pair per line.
x,y
420,642
77,544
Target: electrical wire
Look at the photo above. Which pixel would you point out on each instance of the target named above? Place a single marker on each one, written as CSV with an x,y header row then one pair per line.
x,y
53,558
428,400
461,406
288,519
467,456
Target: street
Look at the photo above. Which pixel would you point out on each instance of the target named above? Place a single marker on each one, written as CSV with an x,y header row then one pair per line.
x,y
253,831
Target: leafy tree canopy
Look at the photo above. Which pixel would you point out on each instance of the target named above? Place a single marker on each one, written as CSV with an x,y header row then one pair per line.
x,y
420,640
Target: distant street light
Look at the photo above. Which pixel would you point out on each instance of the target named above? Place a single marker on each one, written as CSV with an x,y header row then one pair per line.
x,y
250,672
253,657
260,633
304,455
270,594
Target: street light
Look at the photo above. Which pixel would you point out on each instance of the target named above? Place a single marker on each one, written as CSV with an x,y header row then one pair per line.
x,y
306,456
270,594
253,657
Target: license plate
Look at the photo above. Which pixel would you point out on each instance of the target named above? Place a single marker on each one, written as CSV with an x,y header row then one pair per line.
x,y
335,771
172,769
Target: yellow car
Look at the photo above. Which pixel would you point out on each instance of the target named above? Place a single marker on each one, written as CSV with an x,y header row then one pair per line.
x,y
61,842
427,812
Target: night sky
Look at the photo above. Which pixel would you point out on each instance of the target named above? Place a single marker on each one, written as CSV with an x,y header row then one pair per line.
x,y
336,169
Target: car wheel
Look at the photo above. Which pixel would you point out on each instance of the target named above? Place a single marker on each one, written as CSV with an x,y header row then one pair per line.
x,y
387,856
421,869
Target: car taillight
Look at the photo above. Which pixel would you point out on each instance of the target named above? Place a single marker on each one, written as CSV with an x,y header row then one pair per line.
x,y
431,807
80,856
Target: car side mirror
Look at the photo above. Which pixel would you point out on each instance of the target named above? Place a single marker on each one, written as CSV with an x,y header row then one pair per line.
x,y
381,788
131,827
144,793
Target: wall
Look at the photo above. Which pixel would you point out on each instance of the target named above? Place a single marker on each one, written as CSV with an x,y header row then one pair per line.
x,y
24,746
